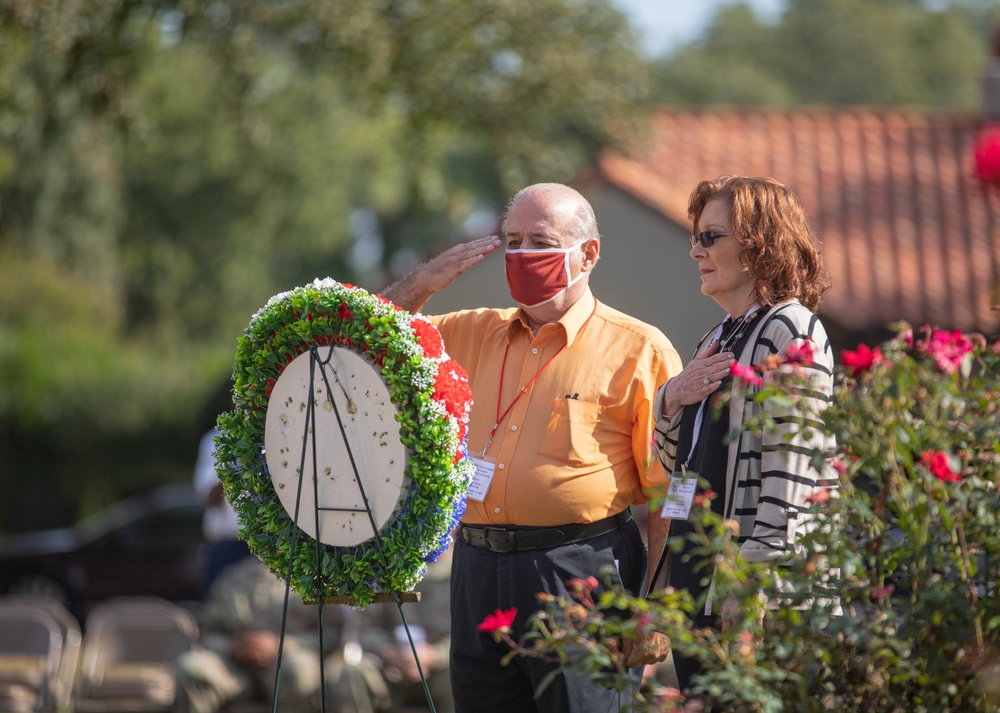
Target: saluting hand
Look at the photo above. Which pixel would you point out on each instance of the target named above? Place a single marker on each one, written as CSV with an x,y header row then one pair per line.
x,y
447,267
413,291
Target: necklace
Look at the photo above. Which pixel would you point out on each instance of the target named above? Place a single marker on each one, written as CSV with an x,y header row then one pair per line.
x,y
735,334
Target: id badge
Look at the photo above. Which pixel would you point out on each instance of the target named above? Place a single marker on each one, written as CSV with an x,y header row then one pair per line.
x,y
481,478
680,495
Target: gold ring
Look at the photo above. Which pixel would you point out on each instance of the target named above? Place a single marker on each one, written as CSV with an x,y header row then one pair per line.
x,y
707,381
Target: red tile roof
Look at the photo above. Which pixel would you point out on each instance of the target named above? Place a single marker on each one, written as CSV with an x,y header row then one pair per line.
x,y
908,230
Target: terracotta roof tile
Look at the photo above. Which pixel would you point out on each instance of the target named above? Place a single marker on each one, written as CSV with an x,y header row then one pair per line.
x,y
908,232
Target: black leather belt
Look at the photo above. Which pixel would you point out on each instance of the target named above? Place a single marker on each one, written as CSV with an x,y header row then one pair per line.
x,y
506,539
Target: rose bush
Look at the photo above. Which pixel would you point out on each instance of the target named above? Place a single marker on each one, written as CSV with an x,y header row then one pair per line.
x,y
892,603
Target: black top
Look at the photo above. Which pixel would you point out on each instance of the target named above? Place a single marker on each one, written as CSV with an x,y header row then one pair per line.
x,y
709,461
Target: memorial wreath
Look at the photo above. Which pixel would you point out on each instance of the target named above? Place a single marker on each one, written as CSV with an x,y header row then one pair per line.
x,y
432,397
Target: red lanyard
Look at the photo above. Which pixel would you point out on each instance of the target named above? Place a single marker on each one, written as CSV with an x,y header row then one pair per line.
x,y
524,389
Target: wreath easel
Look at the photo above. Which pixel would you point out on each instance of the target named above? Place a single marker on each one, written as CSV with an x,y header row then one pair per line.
x,y
345,454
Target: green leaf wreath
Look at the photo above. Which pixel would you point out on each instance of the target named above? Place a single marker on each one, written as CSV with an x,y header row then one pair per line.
x,y
432,395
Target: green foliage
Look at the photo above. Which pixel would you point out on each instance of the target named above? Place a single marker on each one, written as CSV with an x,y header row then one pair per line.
x,y
891,602
837,52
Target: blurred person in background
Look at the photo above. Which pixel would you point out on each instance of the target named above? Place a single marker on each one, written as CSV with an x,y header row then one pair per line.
x,y
429,620
237,658
220,523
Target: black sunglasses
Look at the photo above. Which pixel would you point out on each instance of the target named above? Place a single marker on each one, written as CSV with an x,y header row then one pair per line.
x,y
707,238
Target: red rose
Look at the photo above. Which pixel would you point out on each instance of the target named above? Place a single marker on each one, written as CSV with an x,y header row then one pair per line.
x,y
986,155
704,499
860,361
938,463
498,622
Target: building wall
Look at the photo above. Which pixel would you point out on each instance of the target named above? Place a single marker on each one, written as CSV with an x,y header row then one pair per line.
x,y
646,270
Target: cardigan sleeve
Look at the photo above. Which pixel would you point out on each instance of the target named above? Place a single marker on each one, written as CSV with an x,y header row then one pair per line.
x,y
788,453
666,434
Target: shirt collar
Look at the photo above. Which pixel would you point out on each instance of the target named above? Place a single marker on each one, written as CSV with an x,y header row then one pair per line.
x,y
571,322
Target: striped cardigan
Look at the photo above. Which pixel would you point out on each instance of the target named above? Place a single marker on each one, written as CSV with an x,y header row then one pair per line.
x,y
770,475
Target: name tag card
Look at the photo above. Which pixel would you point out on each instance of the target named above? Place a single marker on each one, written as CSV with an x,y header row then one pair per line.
x,y
680,495
481,479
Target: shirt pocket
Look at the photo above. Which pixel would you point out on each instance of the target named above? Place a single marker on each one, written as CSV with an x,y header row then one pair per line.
x,y
570,434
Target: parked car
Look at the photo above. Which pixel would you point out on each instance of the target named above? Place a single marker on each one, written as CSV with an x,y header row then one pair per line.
x,y
147,544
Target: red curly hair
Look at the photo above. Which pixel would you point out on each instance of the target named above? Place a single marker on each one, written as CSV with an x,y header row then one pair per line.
x,y
778,248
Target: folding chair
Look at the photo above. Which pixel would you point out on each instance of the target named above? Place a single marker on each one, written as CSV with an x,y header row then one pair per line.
x,y
130,650
39,648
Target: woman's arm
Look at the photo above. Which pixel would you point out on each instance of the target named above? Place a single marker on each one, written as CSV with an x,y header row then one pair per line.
x,y
788,475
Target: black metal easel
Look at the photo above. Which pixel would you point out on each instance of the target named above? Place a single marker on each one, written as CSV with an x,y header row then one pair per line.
x,y
309,442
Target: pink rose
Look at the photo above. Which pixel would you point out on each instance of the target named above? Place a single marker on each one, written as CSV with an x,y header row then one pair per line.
x,y
819,497
948,349
803,354
746,374
882,592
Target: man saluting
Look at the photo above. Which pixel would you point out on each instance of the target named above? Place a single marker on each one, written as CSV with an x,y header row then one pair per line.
x,y
560,433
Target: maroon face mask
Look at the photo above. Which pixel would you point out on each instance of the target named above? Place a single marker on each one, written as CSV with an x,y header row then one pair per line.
x,y
536,277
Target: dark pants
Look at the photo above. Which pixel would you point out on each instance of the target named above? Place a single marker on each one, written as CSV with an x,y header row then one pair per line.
x,y
220,555
686,667
483,581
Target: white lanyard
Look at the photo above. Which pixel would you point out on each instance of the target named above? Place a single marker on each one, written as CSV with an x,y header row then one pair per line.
x,y
734,336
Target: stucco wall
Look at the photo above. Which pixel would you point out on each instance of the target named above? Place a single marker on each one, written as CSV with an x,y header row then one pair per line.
x,y
646,271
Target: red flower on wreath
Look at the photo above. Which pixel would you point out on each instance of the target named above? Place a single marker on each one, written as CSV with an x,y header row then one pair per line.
x,y
451,388
389,302
429,338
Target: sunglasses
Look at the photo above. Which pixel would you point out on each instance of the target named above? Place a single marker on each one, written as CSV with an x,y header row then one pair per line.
x,y
707,238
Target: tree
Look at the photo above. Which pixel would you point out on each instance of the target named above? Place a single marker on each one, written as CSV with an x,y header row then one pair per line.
x,y
834,52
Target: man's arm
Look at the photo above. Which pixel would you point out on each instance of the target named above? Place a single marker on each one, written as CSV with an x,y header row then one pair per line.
x,y
649,647
412,291
657,530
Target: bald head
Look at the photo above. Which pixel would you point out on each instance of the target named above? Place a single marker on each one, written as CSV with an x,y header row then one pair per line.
x,y
563,199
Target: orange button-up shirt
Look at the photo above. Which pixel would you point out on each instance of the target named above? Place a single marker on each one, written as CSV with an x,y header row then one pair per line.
x,y
576,447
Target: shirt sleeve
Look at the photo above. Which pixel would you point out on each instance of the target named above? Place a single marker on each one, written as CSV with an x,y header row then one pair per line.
x,y
665,365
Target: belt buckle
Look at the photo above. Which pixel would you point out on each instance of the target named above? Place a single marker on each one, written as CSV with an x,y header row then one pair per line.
x,y
503,542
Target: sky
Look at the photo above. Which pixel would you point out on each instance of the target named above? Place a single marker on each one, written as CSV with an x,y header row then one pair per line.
x,y
665,24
